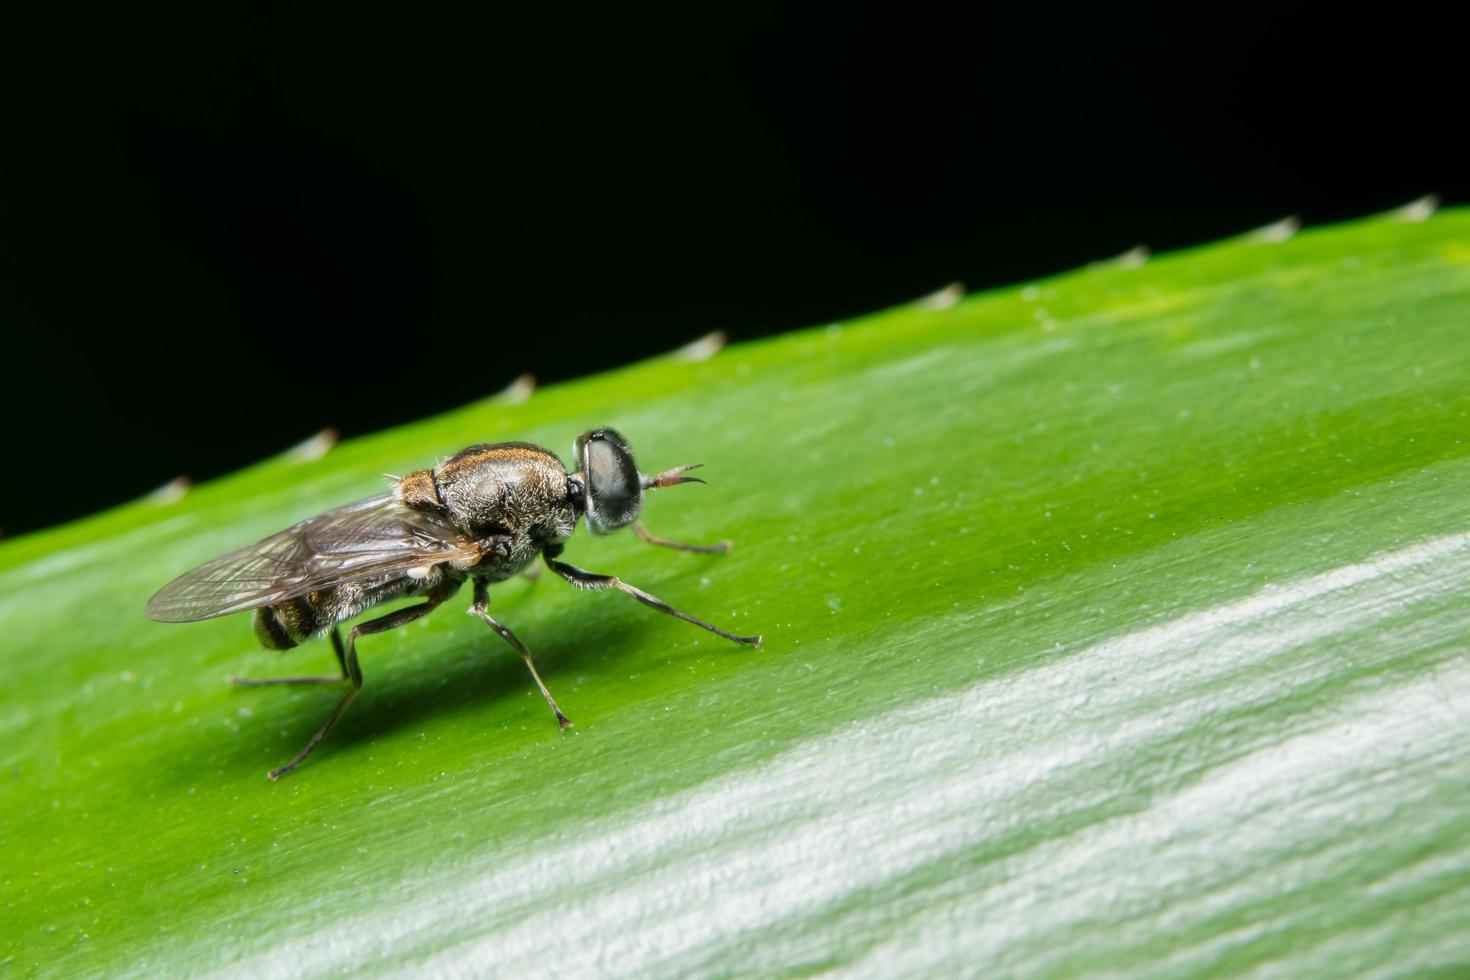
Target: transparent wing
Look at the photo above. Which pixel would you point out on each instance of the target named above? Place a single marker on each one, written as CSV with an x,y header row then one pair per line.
x,y
373,538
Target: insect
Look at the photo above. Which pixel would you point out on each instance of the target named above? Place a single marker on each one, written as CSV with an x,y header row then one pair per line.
x,y
485,514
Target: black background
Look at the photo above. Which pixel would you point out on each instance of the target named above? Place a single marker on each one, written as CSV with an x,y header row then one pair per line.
x,y
224,227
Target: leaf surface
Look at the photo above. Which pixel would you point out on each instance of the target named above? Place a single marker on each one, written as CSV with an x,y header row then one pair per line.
x,y
1114,622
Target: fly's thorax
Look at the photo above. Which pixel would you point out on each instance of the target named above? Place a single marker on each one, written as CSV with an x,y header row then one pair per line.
x,y
419,491
509,488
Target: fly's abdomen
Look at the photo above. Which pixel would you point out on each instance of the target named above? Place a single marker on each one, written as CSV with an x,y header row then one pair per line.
x,y
285,624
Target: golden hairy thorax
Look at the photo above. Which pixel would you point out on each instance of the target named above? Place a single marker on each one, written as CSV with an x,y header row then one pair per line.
x,y
519,478
418,490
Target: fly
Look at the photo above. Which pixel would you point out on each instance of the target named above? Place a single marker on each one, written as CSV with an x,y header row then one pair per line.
x,y
485,514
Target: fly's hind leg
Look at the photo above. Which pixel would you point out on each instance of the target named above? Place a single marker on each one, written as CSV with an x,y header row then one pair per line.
x,y
314,679
354,673
481,608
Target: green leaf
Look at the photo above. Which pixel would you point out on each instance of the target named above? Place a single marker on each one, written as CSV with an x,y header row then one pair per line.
x,y
1116,622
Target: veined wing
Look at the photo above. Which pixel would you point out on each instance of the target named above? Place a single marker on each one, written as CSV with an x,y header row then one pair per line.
x,y
373,538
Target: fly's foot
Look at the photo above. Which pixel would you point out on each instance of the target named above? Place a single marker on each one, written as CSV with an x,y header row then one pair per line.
x,y
272,681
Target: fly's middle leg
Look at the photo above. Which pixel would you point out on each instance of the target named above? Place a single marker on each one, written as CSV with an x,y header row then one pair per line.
x,y
481,608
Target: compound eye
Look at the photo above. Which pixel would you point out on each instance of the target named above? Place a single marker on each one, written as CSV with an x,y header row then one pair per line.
x,y
614,488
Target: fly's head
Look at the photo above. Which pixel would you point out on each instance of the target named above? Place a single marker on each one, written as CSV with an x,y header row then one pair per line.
x,y
607,486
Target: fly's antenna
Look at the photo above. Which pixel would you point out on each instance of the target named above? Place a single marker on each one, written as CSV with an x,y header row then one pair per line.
x,y
672,478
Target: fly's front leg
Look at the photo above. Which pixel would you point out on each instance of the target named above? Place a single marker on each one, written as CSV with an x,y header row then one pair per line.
x,y
354,673
590,580
314,679
703,549
481,608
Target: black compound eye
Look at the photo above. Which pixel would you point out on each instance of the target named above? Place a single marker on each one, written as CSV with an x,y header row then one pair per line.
x,y
614,488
